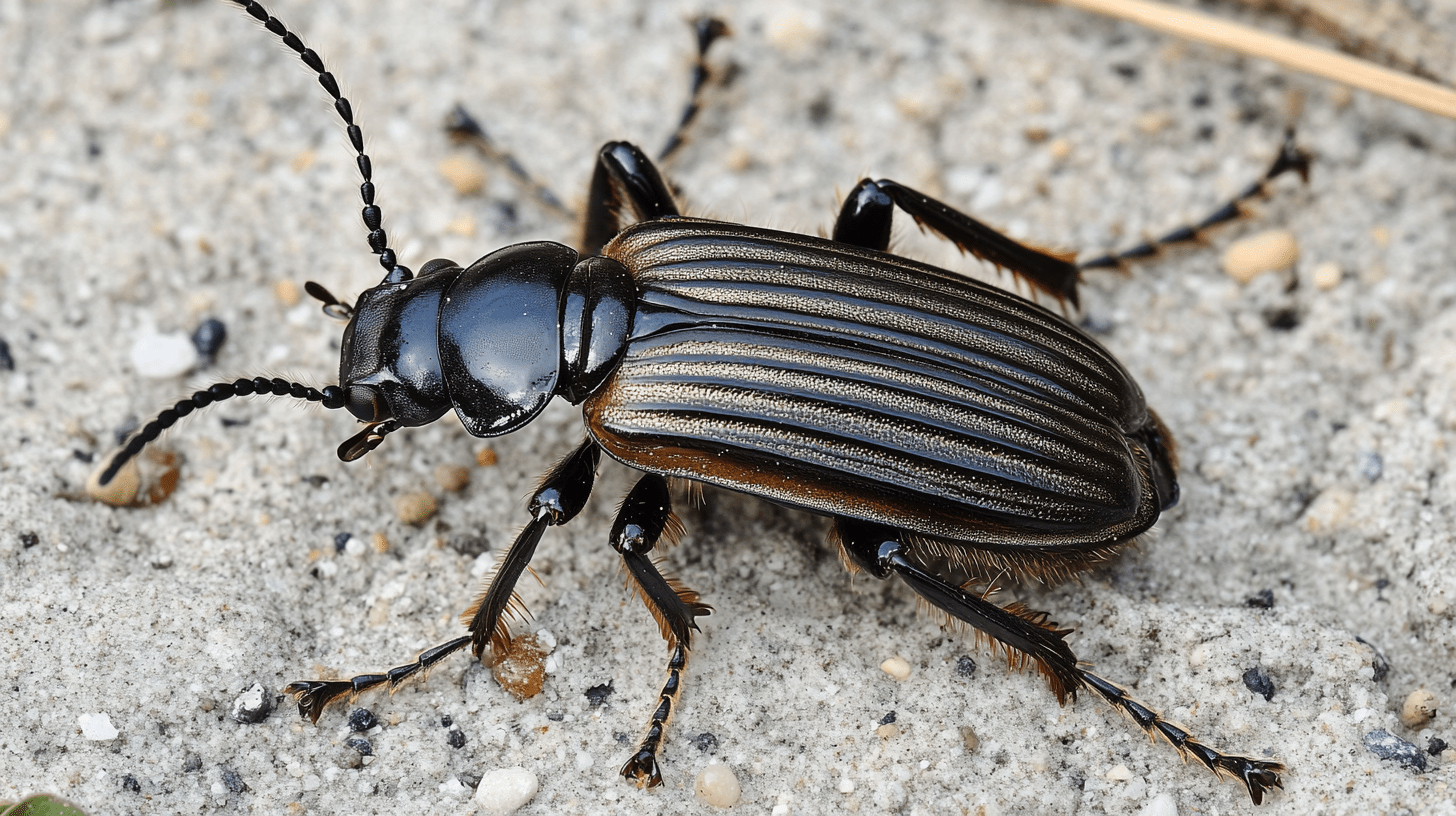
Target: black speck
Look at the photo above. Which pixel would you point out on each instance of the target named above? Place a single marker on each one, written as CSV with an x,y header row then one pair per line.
x,y
192,764
705,742
1200,99
316,480
1436,746
29,539
1388,746
1258,682
456,738
1378,663
208,338
446,721
887,719
1206,132
622,738
1417,141
362,719
232,780
7,363
1263,600
341,540
363,746
597,695
965,667
821,109
83,456
556,716
130,783
1126,70
234,423
1282,319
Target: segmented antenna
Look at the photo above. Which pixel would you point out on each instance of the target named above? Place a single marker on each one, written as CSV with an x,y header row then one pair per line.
x,y
330,397
373,215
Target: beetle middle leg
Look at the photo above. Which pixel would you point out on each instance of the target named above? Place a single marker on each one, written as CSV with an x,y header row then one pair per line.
x,y
1026,635
645,518
561,496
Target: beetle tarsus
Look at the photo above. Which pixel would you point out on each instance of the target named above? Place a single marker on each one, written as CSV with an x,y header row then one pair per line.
x,y
642,767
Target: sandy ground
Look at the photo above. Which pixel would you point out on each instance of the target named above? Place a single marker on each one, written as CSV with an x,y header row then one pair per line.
x,y
167,162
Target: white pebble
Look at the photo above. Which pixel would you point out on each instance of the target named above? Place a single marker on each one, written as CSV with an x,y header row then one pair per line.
x,y
97,727
506,790
718,785
1327,275
161,356
1119,773
897,667
1160,805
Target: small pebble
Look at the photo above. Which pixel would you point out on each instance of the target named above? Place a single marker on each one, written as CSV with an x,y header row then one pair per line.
x,y
252,706
522,670
208,338
287,293
897,667
1327,276
465,173
362,719
485,457
969,739
362,746
163,356
718,786
1263,600
146,479
597,695
97,727
506,790
1251,257
888,731
415,508
1161,805
123,488
706,741
965,667
1119,773
452,478
1257,681
7,363
1419,709
1388,746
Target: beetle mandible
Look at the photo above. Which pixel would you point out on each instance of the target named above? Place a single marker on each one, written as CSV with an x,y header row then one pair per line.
x,y
952,431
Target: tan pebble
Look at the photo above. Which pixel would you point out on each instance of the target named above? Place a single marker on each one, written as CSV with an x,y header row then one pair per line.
x,y
1419,709
465,173
897,667
1251,257
303,160
1035,135
1329,509
415,508
1151,123
452,478
794,31
738,160
287,292
1381,236
1438,607
1327,276
969,739
522,670
486,457
1119,773
379,543
1060,149
718,786
123,488
464,226
888,731
148,478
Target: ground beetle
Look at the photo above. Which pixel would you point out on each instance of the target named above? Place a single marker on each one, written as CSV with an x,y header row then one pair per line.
x,y
954,432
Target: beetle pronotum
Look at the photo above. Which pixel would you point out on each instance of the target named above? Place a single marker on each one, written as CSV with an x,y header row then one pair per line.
x,y
952,431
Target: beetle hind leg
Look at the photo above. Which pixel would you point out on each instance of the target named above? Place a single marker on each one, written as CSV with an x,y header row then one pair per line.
x,y
1027,636
645,518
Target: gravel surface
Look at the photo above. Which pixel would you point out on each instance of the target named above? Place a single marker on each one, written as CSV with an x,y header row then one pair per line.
x,y
166,163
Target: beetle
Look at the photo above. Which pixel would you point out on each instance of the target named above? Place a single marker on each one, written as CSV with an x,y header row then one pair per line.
x,y
951,431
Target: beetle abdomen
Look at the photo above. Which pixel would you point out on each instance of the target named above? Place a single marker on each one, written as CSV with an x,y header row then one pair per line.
x,y
853,383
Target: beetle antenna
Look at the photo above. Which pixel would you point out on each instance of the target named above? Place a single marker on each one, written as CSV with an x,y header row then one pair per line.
x,y
373,215
331,397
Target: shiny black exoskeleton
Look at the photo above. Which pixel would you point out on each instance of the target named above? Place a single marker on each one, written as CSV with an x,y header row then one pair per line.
x,y
952,431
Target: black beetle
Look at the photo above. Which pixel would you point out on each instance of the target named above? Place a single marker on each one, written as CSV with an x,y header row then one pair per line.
x,y
953,431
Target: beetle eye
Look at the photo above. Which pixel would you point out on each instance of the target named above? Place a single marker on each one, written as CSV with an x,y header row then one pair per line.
x,y
366,403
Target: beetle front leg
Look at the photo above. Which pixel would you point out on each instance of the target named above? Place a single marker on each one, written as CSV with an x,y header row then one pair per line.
x,y
562,494
645,518
1025,634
